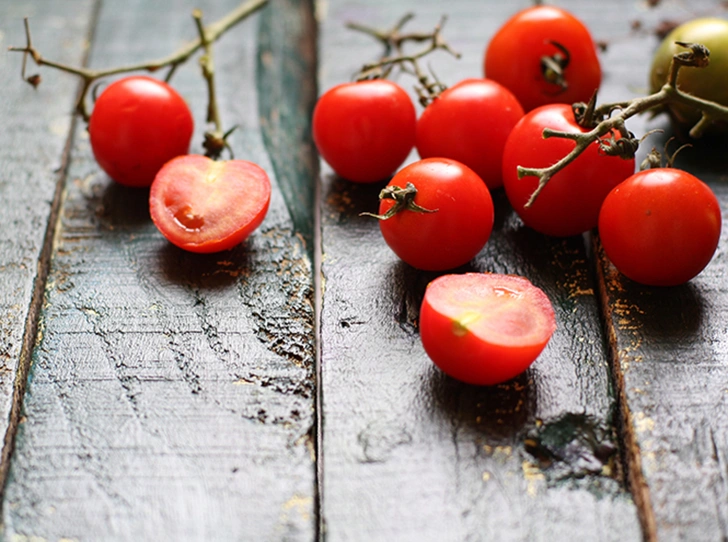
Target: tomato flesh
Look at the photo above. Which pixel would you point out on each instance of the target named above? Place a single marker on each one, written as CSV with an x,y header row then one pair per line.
x,y
485,328
137,125
660,227
202,205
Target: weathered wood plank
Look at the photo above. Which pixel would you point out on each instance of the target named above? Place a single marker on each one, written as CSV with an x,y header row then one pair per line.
x,y
171,395
670,351
36,128
287,93
410,454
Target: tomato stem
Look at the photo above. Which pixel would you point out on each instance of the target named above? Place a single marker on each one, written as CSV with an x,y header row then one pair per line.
x,y
212,32
605,121
552,67
215,140
404,198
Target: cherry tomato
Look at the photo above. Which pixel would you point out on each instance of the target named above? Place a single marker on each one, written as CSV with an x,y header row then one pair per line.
x,y
660,227
364,130
709,82
470,122
485,328
202,205
137,125
570,202
458,224
528,51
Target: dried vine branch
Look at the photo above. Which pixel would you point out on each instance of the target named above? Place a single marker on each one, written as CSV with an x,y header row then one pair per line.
x,y
394,55
611,117
212,33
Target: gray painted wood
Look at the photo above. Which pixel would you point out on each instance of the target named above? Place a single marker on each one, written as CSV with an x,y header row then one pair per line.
x,y
670,356
669,350
171,395
410,454
36,127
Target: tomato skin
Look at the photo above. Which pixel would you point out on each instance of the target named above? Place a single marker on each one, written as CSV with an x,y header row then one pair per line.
x,y
137,125
660,227
569,204
202,205
457,230
709,82
364,130
513,57
484,328
470,122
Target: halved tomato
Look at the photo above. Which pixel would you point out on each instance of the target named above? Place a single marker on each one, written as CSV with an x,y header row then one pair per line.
x,y
202,205
485,328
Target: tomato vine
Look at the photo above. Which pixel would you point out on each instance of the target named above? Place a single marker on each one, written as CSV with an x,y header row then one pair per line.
x,y
215,138
605,118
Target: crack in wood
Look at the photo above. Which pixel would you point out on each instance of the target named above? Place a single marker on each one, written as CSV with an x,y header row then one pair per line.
x,y
631,452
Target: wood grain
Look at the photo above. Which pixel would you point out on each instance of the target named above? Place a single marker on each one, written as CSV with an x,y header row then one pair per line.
x,y
37,126
669,351
171,395
410,454
286,94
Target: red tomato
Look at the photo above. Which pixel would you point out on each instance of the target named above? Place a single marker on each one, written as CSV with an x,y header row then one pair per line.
x,y
570,202
202,205
459,224
137,125
514,57
485,328
364,130
660,227
470,123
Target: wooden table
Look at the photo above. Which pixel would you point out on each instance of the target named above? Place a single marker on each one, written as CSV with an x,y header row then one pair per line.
x,y
279,391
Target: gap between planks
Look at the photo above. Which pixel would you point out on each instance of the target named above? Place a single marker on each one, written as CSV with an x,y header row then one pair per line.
x,y
630,450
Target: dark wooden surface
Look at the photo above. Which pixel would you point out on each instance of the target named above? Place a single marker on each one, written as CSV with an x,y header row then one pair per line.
x,y
173,396
170,396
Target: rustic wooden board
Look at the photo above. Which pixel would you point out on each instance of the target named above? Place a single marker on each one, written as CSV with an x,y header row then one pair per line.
x,y
670,352
410,454
287,93
171,396
36,129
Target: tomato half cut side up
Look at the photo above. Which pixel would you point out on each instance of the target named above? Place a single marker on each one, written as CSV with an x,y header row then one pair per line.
x,y
202,205
485,328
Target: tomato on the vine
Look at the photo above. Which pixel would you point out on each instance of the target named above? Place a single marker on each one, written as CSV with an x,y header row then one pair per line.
x,y
137,125
544,54
660,227
484,328
470,122
569,203
709,82
454,219
202,205
364,130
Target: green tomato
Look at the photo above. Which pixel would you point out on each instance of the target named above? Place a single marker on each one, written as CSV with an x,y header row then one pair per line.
x,y
710,83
